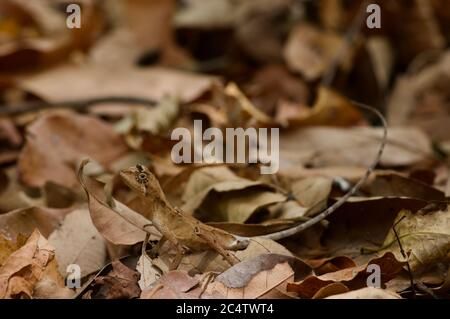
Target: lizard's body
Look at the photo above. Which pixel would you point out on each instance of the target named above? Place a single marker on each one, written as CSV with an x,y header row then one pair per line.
x,y
183,231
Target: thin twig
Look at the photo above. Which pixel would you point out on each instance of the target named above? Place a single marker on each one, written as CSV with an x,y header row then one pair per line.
x,y
402,251
349,38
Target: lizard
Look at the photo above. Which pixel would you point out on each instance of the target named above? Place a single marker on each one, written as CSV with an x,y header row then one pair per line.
x,y
186,232
182,231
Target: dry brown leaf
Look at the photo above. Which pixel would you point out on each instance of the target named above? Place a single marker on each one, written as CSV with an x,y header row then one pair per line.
x,y
363,223
77,241
353,278
388,184
50,41
273,87
49,289
310,51
216,194
332,264
12,193
25,220
121,226
330,108
174,285
25,267
421,99
150,83
120,283
424,236
212,262
57,142
232,90
311,191
321,147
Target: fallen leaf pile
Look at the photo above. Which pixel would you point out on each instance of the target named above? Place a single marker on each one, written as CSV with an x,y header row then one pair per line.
x,y
79,105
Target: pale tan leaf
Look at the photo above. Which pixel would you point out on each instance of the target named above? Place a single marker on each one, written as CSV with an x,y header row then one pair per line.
x,y
77,241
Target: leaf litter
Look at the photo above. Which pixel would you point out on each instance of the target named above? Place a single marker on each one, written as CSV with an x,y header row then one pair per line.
x,y
79,106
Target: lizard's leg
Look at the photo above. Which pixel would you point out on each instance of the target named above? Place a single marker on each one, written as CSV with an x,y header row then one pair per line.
x,y
229,257
180,250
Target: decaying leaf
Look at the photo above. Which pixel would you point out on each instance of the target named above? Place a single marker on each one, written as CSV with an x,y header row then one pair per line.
x,y
25,221
227,196
25,267
56,143
310,51
77,241
425,238
121,226
120,283
353,278
174,285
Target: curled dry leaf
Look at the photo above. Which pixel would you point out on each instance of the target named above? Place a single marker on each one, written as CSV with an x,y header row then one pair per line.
x,y
25,267
246,105
330,108
332,264
77,241
425,237
273,87
310,51
121,225
353,278
57,142
226,196
120,283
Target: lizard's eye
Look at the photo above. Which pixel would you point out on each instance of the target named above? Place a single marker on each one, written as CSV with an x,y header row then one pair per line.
x,y
142,177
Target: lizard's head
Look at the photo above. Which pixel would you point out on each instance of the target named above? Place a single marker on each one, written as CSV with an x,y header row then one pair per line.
x,y
141,180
